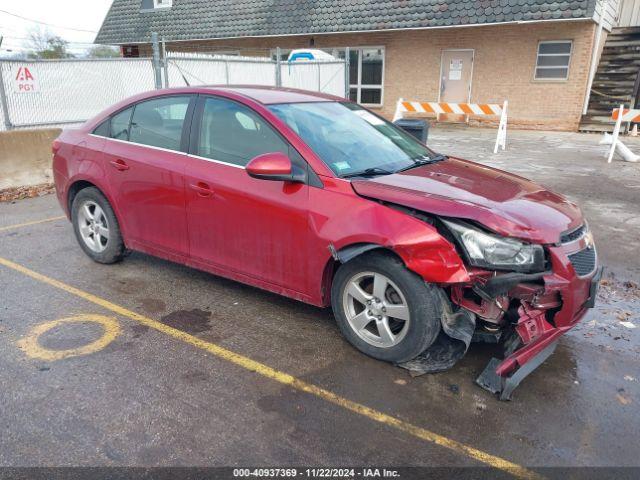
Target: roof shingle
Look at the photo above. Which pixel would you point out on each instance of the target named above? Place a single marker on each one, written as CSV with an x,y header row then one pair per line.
x,y
209,19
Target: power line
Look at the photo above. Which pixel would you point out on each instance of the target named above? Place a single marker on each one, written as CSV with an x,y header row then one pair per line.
x,y
9,37
47,24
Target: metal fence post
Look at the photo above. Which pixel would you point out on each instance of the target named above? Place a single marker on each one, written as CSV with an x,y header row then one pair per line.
x,y
3,100
347,89
165,64
226,71
157,67
278,67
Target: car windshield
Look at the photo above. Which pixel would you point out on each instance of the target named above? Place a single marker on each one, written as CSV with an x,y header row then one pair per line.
x,y
352,140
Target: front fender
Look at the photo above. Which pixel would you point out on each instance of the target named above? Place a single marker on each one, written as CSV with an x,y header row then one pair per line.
x,y
349,220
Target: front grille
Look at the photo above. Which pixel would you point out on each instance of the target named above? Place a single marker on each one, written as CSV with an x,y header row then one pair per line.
x,y
573,235
584,261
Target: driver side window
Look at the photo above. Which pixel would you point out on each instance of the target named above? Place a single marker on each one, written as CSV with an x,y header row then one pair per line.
x,y
233,133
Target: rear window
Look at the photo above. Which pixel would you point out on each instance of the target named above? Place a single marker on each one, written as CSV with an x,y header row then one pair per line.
x,y
102,130
159,122
120,125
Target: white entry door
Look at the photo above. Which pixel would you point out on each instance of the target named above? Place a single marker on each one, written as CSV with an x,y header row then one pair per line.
x,y
455,81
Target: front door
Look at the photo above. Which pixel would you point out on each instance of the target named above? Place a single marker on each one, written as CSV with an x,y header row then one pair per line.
x,y
455,83
251,228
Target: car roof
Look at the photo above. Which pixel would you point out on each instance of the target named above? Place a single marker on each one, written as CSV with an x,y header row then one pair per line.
x,y
270,95
261,94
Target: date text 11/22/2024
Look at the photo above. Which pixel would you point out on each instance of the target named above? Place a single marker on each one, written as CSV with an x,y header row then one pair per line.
x,y
315,473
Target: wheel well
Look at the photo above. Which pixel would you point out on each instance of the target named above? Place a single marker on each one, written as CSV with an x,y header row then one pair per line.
x,y
345,255
74,189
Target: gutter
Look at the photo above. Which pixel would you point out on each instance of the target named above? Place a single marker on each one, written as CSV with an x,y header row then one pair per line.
x,y
346,32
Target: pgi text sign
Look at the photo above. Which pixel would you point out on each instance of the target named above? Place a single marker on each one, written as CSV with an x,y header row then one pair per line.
x,y
24,80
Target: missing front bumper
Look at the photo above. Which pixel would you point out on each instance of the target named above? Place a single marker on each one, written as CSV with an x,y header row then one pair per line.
x,y
504,386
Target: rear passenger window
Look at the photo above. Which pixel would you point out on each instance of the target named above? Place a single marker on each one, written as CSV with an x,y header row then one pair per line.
x,y
120,125
159,123
103,130
233,133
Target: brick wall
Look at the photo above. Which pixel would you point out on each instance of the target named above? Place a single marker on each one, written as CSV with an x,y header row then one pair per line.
x,y
504,64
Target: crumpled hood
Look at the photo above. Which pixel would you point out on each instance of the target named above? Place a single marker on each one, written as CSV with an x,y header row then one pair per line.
x,y
505,203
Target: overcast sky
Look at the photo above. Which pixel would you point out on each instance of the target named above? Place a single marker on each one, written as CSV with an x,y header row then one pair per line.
x,y
66,17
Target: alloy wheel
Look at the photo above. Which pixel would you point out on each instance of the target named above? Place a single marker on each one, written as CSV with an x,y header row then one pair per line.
x,y
93,226
376,309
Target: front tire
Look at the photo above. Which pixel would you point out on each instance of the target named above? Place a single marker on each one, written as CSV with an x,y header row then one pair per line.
x,y
383,309
96,226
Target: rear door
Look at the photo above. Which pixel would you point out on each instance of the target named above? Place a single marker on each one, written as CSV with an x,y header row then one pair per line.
x,y
145,161
256,228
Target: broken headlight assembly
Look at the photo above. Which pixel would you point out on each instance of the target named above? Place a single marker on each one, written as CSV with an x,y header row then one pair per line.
x,y
489,251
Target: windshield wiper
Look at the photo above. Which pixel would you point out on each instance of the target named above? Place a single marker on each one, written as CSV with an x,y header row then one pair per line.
x,y
368,172
424,161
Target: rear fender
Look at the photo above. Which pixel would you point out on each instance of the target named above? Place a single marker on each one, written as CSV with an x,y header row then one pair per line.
x,y
100,185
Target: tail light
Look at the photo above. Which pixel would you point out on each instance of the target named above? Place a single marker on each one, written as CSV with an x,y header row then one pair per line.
x,y
55,146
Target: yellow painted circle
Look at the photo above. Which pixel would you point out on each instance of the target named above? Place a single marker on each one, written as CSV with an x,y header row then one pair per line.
x,y
33,349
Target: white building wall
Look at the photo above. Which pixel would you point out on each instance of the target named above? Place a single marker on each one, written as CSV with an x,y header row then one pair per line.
x,y
629,13
611,12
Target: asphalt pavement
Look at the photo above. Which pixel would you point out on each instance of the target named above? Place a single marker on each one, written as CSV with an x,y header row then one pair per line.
x,y
149,363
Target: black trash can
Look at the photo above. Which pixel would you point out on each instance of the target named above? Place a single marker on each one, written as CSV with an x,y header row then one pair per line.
x,y
417,128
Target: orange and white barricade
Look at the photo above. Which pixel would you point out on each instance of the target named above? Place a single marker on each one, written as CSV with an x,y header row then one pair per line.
x,y
436,108
622,115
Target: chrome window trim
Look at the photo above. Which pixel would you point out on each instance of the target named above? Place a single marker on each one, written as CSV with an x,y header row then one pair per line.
x,y
138,144
213,160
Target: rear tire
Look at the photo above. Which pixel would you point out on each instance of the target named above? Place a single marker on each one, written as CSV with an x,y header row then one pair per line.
x,y
383,309
96,226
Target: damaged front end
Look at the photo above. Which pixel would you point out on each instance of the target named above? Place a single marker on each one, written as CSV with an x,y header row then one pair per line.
x,y
526,313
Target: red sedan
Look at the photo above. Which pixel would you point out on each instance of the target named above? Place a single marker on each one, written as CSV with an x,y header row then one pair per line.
x,y
323,201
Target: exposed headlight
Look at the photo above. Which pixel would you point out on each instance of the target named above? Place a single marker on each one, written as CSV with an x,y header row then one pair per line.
x,y
496,253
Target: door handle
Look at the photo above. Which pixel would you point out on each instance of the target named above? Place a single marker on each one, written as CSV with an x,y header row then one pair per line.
x,y
202,189
119,165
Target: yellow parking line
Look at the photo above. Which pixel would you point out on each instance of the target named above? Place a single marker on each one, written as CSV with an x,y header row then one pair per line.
x,y
35,222
286,379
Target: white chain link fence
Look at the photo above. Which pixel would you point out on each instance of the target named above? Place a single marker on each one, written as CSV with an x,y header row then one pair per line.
x,y
70,91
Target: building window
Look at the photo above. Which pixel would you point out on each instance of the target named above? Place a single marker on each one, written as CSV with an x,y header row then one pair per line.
x,y
366,72
152,5
130,51
553,60
366,75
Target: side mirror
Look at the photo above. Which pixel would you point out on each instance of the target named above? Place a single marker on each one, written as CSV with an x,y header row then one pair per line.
x,y
275,166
